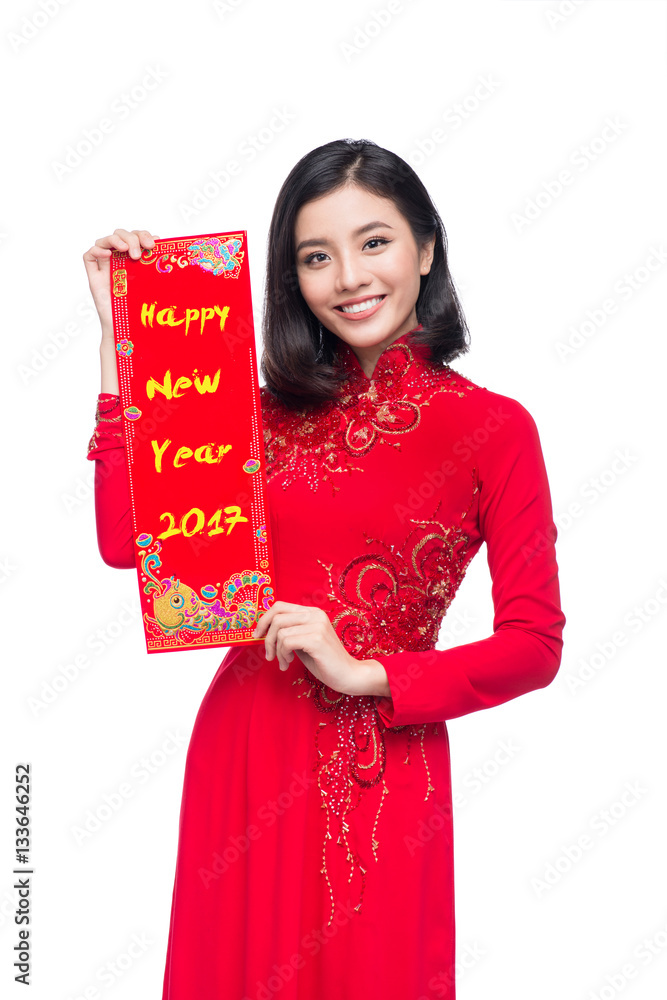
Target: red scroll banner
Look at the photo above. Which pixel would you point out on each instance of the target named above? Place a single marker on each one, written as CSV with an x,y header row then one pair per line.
x,y
185,346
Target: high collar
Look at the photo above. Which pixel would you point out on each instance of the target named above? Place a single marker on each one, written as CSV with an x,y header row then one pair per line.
x,y
391,362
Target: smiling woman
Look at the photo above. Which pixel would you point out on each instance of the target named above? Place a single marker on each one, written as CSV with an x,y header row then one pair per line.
x,y
384,268
353,223
315,853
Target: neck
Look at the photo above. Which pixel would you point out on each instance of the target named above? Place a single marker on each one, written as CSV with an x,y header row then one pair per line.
x,y
368,356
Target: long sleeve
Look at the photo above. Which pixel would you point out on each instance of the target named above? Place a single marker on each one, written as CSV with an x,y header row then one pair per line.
x,y
113,515
524,652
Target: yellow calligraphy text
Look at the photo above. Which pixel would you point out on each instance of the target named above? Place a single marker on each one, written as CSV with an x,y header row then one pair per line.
x,y
167,316
194,521
202,385
209,453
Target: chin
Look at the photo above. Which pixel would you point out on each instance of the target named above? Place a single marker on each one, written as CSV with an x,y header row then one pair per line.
x,y
368,337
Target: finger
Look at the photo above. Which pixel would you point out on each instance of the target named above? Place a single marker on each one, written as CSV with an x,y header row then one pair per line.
x,y
265,620
95,252
96,259
116,240
145,238
289,639
280,622
135,248
131,239
297,638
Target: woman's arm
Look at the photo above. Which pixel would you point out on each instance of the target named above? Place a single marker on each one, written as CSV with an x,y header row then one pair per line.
x,y
112,487
106,447
524,652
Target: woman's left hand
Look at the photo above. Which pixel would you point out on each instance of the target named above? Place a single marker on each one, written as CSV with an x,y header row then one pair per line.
x,y
307,631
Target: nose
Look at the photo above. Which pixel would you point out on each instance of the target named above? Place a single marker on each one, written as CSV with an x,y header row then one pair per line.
x,y
352,273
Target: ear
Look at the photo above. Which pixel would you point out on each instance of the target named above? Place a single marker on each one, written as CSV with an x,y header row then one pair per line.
x,y
426,255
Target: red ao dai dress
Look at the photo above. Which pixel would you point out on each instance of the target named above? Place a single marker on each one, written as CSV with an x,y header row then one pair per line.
x,y
302,870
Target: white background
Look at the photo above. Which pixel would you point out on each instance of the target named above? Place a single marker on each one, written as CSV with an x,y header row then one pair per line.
x,y
554,81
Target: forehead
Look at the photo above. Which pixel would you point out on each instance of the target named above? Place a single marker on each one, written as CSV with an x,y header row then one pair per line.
x,y
345,209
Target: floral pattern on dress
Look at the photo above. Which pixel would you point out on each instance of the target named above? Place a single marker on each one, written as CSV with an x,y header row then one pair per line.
x,y
396,599
388,600
366,412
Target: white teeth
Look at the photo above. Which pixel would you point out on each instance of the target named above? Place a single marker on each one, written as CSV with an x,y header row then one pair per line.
x,y
361,306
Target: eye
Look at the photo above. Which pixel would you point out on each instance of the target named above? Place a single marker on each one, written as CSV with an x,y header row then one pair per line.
x,y
380,240
311,257
177,601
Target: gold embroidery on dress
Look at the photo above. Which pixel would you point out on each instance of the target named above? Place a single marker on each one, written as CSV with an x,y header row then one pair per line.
x,y
367,412
102,415
399,609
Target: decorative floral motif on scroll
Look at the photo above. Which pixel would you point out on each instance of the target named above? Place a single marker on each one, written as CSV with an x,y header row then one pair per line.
x,y
367,412
218,257
181,612
393,599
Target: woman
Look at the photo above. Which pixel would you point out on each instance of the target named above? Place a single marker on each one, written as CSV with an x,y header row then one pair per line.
x,y
315,854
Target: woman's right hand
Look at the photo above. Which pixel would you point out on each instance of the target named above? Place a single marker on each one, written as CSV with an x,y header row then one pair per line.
x,y
97,267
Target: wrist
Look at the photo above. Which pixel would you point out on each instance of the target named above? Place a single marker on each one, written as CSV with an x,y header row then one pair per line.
x,y
108,366
369,678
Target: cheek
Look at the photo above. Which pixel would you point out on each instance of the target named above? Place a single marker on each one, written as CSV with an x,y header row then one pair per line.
x,y
314,290
403,274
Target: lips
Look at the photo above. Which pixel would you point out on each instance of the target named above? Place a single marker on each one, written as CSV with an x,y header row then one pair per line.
x,y
360,307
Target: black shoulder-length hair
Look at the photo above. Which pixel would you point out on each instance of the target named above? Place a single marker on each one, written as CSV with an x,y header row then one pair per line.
x,y
298,361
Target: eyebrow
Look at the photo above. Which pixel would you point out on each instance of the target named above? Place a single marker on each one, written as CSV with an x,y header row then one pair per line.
x,y
357,232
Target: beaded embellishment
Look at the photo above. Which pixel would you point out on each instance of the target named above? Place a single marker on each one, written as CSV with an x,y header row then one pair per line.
x,y
396,599
366,412
391,599
104,412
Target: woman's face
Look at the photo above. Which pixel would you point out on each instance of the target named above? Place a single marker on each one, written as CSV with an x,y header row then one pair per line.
x,y
355,249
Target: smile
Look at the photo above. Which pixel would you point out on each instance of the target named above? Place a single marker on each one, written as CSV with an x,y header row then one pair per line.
x,y
365,307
